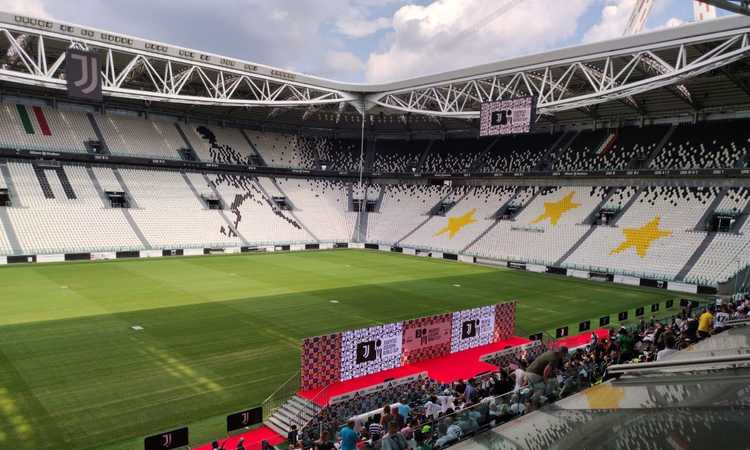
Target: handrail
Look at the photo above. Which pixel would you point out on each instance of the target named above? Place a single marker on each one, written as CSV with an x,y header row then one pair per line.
x,y
656,365
294,375
733,322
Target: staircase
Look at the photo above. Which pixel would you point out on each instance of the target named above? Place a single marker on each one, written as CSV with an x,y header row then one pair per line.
x,y
631,202
65,182
695,256
295,411
704,221
659,146
43,182
559,147
423,156
480,160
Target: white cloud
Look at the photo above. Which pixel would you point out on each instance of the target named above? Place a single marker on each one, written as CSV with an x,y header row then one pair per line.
x,y
674,22
33,8
614,19
449,34
357,27
343,62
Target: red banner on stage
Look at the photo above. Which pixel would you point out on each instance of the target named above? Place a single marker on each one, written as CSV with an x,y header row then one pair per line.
x,y
426,338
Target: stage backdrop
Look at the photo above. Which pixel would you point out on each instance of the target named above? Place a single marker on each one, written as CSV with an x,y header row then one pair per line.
x,y
370,350
426,338
355,353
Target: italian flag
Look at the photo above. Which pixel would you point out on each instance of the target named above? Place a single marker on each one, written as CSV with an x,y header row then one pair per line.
x,y
35,125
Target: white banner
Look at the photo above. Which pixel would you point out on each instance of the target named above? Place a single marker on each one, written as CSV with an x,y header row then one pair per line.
x,y
472,328
50,258
356,245
326,246
624,279
103,256
682,287
409,251
370,350
151,253
3,260
438,255
192,252
536,268
466,259
578,274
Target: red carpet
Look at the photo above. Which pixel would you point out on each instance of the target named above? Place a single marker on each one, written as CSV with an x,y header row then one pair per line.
x,y
252,438
466,364
447,369
324,395
582,339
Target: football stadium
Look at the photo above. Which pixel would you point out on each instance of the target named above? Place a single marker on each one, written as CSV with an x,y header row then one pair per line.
x,y
550,251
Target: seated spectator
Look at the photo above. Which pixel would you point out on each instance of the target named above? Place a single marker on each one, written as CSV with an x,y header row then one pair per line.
x,y
722,316
393,440
669,342
706,323
324,442
452,433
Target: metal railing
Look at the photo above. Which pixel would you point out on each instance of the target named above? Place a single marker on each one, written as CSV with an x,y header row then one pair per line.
x,y
281,395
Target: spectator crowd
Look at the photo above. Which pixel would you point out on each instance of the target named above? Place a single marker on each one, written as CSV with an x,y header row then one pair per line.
x,y
436,416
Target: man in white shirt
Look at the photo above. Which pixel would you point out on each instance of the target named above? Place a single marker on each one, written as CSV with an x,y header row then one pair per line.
x,y
669,342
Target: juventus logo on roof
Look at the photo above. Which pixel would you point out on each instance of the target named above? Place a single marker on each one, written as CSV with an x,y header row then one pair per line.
x,y
83,75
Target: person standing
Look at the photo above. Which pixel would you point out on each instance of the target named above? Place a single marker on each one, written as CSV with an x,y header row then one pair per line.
x,y
348,436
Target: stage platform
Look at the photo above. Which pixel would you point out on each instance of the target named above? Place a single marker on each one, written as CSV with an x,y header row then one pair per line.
x,y
447,369
581,339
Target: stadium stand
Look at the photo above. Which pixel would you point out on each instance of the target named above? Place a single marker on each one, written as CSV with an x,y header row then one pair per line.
x,y
41,128
395,156
705,146
453,156
37,222
135,136
518,153
281,150
653,237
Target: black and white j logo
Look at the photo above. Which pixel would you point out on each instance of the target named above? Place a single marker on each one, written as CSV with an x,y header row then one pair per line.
x,y
167,440
367,351
469,329
82,74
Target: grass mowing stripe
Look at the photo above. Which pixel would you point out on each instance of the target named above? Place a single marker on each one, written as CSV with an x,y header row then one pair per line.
x,y
221,333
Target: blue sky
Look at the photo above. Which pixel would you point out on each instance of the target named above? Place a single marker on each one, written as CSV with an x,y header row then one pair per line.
x,y
362,40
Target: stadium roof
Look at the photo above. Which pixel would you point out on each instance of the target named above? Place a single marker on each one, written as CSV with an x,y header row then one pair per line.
x,y
687,71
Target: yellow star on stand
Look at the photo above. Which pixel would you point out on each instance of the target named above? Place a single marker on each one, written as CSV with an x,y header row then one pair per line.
x,y
642,238
554,210
455,224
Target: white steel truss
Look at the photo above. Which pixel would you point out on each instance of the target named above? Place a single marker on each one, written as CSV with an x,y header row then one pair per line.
x,y
37,58
32,52
578,82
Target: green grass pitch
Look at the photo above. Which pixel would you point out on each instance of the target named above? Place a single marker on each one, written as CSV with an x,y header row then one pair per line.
x,y
221,333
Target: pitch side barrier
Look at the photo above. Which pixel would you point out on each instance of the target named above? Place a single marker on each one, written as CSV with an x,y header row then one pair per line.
x,y
87,158
630,280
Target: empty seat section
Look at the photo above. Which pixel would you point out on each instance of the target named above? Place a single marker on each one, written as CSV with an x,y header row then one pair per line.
x,y
35,127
